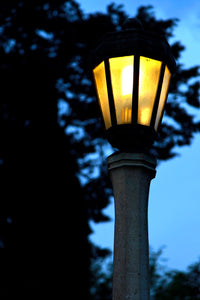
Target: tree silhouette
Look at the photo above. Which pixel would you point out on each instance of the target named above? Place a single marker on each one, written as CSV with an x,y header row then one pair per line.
x,y
174,284
165,284
52,153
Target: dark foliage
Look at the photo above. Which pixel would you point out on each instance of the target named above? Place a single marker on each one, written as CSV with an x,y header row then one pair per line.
x,y
175,285
165,284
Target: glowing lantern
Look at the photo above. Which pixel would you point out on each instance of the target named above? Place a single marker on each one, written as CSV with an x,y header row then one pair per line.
x,y
132,70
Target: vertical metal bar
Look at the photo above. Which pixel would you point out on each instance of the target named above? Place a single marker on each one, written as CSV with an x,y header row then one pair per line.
x,y
156,102
110,94
135,89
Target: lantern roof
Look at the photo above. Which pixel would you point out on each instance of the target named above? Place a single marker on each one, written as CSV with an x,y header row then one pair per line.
x,y
134,41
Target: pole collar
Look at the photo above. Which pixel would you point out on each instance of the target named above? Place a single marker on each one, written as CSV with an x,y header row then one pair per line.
x,y
119,159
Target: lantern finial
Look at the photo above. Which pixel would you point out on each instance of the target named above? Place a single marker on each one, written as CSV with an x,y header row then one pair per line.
x,y
132,23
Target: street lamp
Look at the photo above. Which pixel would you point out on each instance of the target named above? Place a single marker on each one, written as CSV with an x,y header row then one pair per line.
x,y
132,69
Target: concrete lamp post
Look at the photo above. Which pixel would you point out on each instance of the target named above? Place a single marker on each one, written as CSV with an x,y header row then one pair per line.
x,y
132,69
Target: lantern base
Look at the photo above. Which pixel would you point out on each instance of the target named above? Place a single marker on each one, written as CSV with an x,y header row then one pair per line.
x,y
131,138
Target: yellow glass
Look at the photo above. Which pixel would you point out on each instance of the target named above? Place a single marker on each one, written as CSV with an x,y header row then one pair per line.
x,y
121,69
101,86
163,96
149,74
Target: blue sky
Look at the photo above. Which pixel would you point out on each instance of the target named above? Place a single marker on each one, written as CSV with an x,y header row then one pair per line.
x,y
174,200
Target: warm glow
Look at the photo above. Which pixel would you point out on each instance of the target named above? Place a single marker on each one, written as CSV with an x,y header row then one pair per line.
x,y
121,72
145,115
148,83
127,81
101,86
121,69
163,96
126,115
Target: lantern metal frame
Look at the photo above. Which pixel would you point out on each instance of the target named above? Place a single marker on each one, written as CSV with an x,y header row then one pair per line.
x,y
133,42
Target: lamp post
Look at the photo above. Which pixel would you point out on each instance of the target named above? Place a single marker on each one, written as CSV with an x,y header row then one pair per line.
x,y
132,69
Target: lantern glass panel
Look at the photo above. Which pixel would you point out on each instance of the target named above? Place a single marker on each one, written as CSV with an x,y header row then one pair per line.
x,y
101,86
163,96
149,74
121,69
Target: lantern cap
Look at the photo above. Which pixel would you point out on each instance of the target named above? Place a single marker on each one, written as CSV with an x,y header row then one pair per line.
x,y
134,41
132,23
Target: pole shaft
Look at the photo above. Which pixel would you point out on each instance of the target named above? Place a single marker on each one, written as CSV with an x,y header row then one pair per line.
x,y
131,175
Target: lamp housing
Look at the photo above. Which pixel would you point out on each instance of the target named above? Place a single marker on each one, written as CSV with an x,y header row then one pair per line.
x,y
132,69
